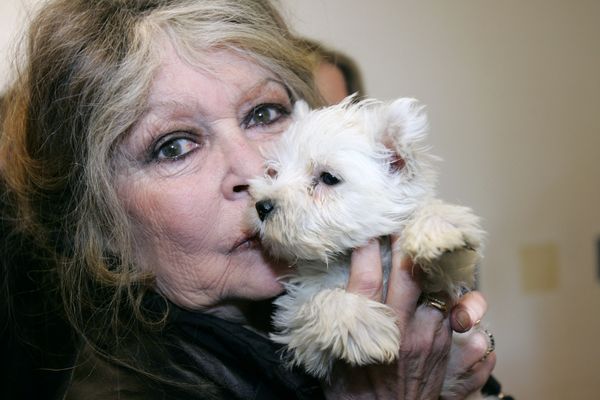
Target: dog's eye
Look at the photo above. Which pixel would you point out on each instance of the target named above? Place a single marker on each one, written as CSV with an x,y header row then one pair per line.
x,y
329,179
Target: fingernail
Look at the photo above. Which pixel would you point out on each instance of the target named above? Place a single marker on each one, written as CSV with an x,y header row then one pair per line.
x,y
463,319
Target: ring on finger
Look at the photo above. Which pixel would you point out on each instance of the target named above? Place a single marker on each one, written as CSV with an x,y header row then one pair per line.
x,y
491,343
435,303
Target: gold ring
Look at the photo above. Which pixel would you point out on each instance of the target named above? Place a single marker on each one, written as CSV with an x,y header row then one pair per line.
x,y
435,303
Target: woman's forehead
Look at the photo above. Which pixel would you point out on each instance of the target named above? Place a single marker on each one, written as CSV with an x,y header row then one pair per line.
x,y
221,70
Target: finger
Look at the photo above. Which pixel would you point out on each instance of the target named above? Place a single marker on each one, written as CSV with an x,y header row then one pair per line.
x,y
426,346
403,288
431,330
472,381
468,349
482,371
366,273
469,310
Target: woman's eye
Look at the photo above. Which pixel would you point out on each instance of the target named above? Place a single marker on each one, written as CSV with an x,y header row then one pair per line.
x,y
174,149
265,114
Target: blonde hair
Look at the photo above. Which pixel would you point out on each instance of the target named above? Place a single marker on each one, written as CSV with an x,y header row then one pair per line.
x,y
84,82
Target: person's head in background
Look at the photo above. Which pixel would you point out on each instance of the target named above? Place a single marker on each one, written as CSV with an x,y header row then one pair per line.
x,y
336,74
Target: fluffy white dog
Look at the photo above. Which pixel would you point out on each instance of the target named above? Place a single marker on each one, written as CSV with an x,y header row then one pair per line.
x,y
339,177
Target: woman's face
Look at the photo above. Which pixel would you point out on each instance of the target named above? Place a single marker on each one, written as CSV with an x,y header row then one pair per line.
x,y
185,173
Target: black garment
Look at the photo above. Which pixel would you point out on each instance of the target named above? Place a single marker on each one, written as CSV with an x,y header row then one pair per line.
x,y
243,363
201,357
493,388
37,345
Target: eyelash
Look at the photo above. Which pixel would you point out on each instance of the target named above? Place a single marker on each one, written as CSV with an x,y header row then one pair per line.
x,y
169,139
280,109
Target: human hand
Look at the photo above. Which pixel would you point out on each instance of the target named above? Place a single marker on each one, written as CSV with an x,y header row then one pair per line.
x,y
419,370
422,365
471,359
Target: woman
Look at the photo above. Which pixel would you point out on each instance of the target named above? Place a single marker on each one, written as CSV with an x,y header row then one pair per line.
x,y
128,141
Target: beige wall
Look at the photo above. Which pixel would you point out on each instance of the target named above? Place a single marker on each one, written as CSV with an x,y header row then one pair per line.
x,y
513,94
13,13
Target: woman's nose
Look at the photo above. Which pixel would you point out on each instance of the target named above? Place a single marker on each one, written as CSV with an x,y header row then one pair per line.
x,y
245,162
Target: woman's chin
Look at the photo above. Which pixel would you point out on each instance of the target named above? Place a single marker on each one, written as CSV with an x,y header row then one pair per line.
x,y
259,278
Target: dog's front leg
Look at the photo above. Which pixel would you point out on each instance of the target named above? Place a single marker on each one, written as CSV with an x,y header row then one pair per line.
x,y
445,241
337,325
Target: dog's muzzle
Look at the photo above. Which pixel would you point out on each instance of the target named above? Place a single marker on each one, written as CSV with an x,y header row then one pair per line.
x,y
264,208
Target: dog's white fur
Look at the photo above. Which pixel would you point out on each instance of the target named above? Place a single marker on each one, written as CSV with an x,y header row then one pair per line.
x,y
386,186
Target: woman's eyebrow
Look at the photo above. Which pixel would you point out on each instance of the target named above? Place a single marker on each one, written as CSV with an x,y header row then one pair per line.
x,y
187,104
267,82
188,101
266,86
179,104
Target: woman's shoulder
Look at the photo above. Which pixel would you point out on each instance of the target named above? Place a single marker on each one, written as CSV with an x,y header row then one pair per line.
x,y
240,360
196,356
95,377
36,342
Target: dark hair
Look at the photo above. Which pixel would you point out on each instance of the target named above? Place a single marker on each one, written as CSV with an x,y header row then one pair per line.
x,y
347,65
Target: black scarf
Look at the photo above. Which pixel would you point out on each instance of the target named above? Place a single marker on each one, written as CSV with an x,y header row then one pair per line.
x,y
242,363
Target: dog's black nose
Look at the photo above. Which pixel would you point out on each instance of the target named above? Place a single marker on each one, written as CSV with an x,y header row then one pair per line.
x,y
264,208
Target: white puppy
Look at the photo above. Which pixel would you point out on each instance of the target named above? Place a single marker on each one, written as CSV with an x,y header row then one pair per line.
x,y
339,177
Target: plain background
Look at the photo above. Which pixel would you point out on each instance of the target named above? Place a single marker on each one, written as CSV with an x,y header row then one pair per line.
x,y
513,95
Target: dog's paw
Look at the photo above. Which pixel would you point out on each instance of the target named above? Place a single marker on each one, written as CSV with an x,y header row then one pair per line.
x,y
440,228
365,331
444,240
337,325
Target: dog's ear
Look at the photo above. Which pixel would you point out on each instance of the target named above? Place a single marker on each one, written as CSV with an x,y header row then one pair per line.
x,y
301,108
406,126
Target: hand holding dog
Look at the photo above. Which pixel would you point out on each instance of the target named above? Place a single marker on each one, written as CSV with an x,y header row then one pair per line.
x,y
425,358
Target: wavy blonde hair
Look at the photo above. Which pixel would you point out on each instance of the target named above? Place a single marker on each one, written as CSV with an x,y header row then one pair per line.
x,y
83,83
